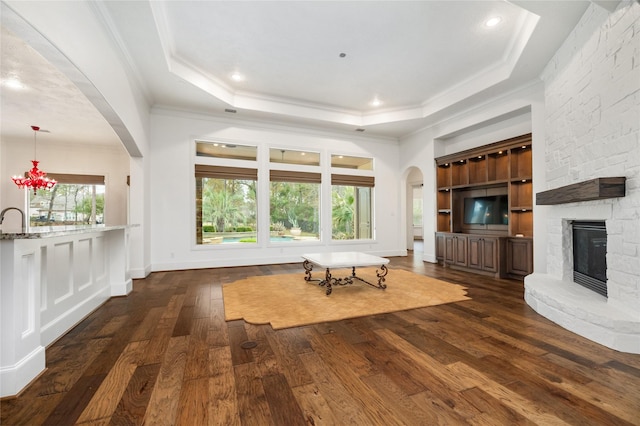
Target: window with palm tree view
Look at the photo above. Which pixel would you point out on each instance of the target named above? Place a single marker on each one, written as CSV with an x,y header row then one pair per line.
x,y
225,205
294,206
351,198
350,212
227,202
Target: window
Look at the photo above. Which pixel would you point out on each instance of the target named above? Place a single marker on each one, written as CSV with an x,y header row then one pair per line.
x,y
225,205
294,206
226,150
348,162
287,156
417,205
75,200
351,207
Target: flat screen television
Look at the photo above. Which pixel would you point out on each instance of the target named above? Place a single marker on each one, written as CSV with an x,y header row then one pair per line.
x,y
489,210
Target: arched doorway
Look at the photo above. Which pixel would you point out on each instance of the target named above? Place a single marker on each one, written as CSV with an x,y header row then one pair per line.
x,y
414,210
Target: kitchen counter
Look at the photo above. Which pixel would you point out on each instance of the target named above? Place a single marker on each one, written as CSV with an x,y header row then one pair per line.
x,y
50,279
55,231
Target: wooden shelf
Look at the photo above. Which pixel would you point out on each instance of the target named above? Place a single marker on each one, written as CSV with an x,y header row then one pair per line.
x,y
498,166
521,223
444,175
496,169
521,166
521,194
478,169
594,189
501,166
459,173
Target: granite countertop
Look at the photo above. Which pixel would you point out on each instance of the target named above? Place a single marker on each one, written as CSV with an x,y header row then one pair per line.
x,y
55,231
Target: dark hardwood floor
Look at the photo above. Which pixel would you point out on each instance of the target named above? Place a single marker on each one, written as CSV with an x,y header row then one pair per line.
x,y
164,355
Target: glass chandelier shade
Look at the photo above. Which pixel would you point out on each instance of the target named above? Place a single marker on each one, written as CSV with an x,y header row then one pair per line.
x,y
35,178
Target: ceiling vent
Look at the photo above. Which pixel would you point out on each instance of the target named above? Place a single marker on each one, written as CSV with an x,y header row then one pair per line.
x,y
229,110
360,130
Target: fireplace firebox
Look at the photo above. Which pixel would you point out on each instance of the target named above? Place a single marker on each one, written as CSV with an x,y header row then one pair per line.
x,y
590,255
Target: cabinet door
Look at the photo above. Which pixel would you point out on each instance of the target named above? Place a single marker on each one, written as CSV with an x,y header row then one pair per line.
x,y
440,246
474,257
460,250
489,258
519,256
449,248
483,253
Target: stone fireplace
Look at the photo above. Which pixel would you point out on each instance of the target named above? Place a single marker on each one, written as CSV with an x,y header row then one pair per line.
x,y
609,320
590,134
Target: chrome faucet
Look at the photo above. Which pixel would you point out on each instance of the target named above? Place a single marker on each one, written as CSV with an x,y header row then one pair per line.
x,y
24,222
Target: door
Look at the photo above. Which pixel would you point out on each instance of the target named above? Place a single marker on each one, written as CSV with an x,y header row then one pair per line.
x,y
363,212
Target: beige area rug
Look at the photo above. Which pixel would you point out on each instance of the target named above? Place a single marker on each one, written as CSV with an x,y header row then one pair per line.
x,y
289,301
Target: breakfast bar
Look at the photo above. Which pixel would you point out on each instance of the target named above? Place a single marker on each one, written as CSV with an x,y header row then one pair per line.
x,y
50,279
338,260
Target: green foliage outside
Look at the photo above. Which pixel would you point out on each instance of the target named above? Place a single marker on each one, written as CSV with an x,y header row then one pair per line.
x,y
228,205
343,212
67,204
295,205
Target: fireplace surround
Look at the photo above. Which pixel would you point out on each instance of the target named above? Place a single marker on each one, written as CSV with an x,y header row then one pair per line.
x,y
608,320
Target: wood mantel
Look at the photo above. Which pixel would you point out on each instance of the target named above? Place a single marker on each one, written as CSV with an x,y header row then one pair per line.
x,y
594,189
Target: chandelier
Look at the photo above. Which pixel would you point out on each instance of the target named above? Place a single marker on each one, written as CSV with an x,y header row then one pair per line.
x,y
35,178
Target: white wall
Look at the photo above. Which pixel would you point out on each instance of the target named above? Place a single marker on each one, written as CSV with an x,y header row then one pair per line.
x,y
416,151
173,191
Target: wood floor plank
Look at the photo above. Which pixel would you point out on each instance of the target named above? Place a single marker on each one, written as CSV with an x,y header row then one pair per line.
x,y
340,401
315,408
284,350
74,402
432,365
487,360
493,412
238,336
193,408
223,407
506,397
106,398
283,405
133,405
385,359
197,365
145,330
252,402
442,411
407,411
163,403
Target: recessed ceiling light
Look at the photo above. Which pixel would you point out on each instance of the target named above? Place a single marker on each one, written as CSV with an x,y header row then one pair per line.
x,y
492,22
13,83
376,102
236,76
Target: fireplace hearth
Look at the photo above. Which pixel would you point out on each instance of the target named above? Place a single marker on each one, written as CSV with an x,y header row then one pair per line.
x,y
590,255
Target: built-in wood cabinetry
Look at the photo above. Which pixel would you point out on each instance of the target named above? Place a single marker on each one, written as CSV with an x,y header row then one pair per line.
x,y
501,168
479,253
